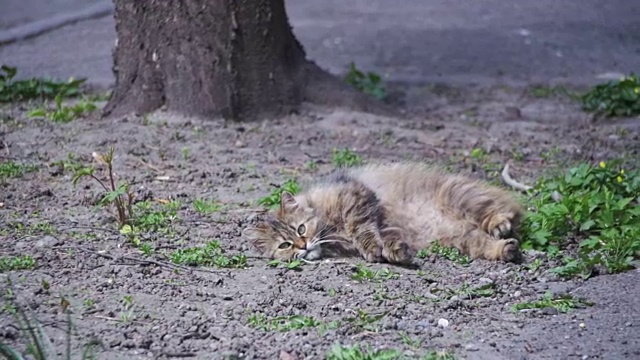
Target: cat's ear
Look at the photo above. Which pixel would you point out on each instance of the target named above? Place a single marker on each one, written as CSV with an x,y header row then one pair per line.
x,y
287,201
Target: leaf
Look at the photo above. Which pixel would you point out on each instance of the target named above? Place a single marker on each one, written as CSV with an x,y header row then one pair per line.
x,y
82,173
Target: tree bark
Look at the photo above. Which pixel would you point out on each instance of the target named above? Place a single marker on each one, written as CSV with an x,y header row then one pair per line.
x,y
236,59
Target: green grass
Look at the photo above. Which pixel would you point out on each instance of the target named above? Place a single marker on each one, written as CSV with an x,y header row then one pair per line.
x,y
345,158
614,98
10,169
369,83
357,352
564,303
449,253
363,273
61,113
288,323
206,206
12,263
363,321
273,199
19,90
209,255
595,205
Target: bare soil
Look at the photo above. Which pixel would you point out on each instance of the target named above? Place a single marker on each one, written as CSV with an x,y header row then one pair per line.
x,y
204,313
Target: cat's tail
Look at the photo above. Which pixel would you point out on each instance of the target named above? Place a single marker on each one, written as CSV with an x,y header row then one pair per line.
x,y
506,177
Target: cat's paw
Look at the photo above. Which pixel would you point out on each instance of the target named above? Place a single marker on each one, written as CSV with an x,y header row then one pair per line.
x,y
398,252
499,226
510,250
373,255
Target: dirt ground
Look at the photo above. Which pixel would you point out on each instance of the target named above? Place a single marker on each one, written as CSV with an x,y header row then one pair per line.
x,y
205,313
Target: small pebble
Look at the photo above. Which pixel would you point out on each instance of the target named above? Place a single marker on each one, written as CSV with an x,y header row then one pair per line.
x,y
443,323
471,347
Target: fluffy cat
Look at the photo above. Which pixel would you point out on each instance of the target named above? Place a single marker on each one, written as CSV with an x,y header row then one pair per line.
x,y
387,212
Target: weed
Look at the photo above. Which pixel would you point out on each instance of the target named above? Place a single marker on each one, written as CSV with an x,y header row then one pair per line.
x,y
369,83
363,321
209,255
118,195
186,153
562,303
355,352
550,91
206,206
477,154
409,341
63,113
363,273
595,203
345,158
287,323
295,265
20,90
311,165
128,307
146,249
534,265
614,98
273,199
10,169
71,163
13,263
449,253
39,345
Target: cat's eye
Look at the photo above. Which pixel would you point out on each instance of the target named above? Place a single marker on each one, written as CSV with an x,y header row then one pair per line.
x,y
302,229
285,245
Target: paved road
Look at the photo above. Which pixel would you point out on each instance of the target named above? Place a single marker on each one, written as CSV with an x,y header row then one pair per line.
x,y
413,40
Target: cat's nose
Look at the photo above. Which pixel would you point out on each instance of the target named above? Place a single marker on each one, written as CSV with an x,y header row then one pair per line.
x,y
301,244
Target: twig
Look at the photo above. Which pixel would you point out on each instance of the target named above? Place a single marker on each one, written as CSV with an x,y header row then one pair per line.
x,y
152,167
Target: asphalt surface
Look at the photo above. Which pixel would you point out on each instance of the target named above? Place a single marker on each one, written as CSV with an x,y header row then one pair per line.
x,y
484,41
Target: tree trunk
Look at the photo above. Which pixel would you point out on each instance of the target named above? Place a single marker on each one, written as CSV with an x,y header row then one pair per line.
x,y
236,59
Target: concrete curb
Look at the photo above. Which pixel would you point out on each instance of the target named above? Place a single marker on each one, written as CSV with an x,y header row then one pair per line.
x,y
38,27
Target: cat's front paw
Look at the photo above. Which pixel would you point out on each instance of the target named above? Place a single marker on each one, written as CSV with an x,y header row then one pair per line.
x,y
398,252
373,255
510,250
499,226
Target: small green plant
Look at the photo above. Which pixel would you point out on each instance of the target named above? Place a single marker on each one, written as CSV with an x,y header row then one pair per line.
x,y
13,263
127,313
9,169
63,113
597,204
209,255
12,90
369,83
206,206
295,265
273,199
363,273
356,352
614,98
363,321
38,344
118,195
345,158
449,253
477,154
152,218
288,323
563,303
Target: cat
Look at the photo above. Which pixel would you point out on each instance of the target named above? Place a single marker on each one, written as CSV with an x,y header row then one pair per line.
x,y
387,213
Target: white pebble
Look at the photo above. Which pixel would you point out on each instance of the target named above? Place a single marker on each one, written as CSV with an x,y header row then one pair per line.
x,y
443,323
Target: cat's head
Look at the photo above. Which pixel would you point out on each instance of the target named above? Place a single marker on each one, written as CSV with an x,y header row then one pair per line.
x,y
288,234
